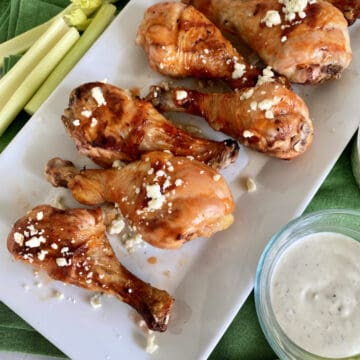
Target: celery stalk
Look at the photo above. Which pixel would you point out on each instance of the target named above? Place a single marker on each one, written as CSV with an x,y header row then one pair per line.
x,y
35,78
21,43
101,20
24,41
12,80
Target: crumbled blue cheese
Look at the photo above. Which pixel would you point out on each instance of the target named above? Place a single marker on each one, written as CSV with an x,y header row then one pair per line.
x,y
41,255
19,238
157,199
76,122
167,183
181,95
217,177
247,94
62,262
250,184
253,105
151,346
86,113
269,114
283,39
95,301
247,134
65,249
272,18
267,76
132,241
292,8
39,216
239,71
93,122
35,241
178,182
265,104
98,95
32,230
116,226
159,173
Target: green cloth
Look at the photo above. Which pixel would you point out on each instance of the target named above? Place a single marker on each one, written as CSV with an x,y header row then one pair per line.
x,y
243,339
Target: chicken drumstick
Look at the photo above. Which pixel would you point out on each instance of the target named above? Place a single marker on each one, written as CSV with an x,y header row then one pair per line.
x,y
108,124
307,41
168,199
268,118
71,246
182,42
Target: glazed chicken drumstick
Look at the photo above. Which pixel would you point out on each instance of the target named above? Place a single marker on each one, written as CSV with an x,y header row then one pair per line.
x,y
168,199
182,42
268,118
71,246
306,41
108,124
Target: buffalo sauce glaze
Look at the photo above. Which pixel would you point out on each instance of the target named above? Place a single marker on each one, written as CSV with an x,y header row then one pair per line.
x,y
315,294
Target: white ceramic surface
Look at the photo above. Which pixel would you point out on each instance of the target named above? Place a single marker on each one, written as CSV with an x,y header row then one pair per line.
x,y
210,279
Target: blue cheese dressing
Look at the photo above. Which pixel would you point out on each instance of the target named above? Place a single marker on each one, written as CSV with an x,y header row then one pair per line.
x,y
315,294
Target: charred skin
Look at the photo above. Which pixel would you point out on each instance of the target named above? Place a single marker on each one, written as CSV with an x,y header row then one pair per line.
x,y
126,127
90,262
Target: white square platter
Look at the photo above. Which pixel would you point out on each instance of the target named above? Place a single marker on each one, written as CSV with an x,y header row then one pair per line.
x,y
209,278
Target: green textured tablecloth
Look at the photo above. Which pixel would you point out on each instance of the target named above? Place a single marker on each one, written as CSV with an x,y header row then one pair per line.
x,y
243,339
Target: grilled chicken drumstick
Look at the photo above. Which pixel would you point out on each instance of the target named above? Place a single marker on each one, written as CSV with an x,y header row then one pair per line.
x,y
71,246
268,118
108,124
170,200
182,42
308,42
350,9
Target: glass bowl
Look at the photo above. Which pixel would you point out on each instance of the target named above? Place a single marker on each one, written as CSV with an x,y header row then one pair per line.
x,y
346,222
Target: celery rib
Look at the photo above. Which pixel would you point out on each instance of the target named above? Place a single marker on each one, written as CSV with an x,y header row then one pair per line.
x,y
35,78
12,80
101,20
19,44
